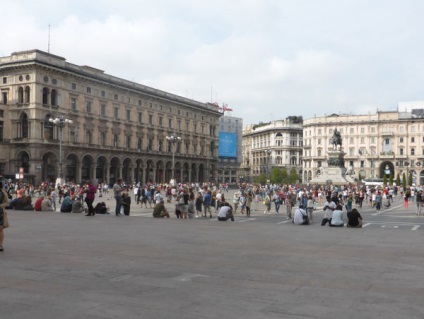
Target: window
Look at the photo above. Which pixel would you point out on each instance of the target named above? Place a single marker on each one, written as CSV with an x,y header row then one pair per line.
x,y
20,95
412,139
53,97
160,120
179,125
401,129
372,140
140,117
139,102
73,103
319,141
362,163
413,129
46,93
387,141
1,113
1,130
372,129
102,139
401,151
116,112
115,96
352,130
319,131
128,141
412,151
73,86
150,119
319,152
88,137
24,125
4,80
103,109
170,123
128,115
27,94
362,140
88,106
195,128
4,97
362,129
351,140
139,145
103,94
115,140
88,90
400,139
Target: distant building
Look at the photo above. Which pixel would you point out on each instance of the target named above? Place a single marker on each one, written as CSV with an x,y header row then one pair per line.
x,y
229,148
119,127
375,144
274,144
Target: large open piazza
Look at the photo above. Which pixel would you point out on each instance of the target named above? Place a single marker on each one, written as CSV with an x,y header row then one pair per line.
x,y
71,266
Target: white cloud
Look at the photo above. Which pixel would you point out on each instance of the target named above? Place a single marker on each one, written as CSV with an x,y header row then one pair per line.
x,y
261,57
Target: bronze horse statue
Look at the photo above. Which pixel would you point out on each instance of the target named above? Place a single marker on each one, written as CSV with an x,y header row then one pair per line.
x,y
336,139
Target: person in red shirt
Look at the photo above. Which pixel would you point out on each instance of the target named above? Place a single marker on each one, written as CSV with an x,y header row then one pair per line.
x,y
90,191
37,205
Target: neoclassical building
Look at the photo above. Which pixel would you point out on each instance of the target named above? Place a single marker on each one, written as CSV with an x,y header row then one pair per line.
x,y
118,129
274,144
375,144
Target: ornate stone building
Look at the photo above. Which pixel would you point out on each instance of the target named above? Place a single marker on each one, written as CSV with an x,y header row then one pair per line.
x,y
118,128
274,144
375,144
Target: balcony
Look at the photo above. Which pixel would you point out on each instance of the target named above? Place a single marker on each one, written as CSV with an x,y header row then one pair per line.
x,y
387,155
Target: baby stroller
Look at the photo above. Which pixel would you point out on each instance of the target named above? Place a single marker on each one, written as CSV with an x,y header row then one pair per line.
x,y
386,203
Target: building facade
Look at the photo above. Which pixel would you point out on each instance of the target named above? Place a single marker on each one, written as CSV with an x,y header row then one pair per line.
x,y
118,129
274,144
230,154
375,144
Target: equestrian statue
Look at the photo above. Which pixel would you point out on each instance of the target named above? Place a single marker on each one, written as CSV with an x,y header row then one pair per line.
x,y
336,139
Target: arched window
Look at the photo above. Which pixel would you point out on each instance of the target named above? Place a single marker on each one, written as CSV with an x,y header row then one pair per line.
x,y
24,125
401,151
54,97
412,151
319,152
46,94
293,161
27,94
115,140
20,95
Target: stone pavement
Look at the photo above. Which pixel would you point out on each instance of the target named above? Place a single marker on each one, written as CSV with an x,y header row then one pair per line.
x,y
71,266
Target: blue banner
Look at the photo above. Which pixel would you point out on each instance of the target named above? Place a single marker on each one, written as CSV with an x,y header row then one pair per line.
x,y
227,145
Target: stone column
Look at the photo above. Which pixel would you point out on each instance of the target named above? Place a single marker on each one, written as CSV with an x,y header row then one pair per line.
x,y
107,174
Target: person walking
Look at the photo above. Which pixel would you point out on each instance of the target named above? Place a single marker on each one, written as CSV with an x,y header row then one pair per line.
x,y
126,203
3,204
117,194
90,193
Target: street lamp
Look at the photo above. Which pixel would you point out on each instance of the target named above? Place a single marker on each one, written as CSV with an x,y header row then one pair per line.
x,y
173,139
268,153
60,121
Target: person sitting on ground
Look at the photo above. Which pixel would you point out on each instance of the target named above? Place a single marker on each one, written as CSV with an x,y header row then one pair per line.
x,y
225,213
78,206
160,211
66,206
337,219
46,204
101,208
329,207
300,216
37,204
354,219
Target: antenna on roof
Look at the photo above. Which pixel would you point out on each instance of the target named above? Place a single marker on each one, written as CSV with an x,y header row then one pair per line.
x,y
48,44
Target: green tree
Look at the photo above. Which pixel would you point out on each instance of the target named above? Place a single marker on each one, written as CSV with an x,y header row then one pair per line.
x,y
384,179
276,176
293,176
391,179
284,176
410,179
403,180
397,179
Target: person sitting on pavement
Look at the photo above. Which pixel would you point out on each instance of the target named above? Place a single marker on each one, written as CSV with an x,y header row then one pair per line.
x,y
160,211
300,216
337,218
37,204
354,219
329,207
101,208
66,206
225,213
46,204
78,207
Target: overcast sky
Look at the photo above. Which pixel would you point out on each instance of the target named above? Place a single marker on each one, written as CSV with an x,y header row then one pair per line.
x,y
266,59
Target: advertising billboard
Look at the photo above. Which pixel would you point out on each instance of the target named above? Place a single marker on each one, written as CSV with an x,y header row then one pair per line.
x,y
227,145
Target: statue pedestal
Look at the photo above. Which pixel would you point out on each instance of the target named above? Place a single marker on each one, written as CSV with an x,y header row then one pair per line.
x,y
335,173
